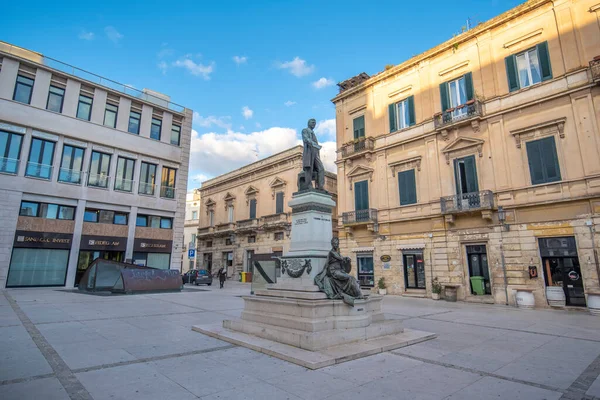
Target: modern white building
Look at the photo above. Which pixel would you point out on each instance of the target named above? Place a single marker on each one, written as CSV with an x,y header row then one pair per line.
x,y
89,168
190,229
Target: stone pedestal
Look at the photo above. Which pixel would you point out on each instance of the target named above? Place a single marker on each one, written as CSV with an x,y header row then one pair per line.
x,y
294,321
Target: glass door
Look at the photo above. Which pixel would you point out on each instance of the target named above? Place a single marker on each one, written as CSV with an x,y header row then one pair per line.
x,y
366,271
467,188
458,97
414,271
565,272
479,272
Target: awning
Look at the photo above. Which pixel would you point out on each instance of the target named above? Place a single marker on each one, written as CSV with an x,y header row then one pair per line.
x,y
363,249
411,246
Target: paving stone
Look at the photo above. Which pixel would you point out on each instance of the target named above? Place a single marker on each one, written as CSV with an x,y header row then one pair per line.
x,y
46,389
492,388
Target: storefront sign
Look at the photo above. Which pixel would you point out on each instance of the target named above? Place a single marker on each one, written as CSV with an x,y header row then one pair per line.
x,y
93,242
44,240
152,245
386,258
533,273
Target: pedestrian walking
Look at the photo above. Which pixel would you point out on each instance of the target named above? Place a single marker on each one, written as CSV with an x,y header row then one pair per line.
x,y
222,276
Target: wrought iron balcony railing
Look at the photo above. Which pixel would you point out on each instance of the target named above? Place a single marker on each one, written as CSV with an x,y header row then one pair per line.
x,y
358,146
595,68
455,115
360,216
466,202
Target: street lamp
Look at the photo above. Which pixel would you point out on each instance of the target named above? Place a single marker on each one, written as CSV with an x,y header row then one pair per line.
x,y
502,218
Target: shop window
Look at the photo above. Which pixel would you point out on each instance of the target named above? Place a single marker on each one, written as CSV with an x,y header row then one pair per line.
x,y
366,271
141,220
153,260
120,219
414,270
29,209
37,267
166,223
91,215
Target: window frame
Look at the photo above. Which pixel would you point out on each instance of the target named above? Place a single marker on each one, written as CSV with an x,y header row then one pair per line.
x,y
279,206
40,157
138,119
170,221
166,178
115,112
89,211
140,217
178,131
62,98
409,200
60,167
153,123
361,131
194,215
17,83
120,214
143,179
124,178
278,236
37,208
543,161
98,172
89,117
6,153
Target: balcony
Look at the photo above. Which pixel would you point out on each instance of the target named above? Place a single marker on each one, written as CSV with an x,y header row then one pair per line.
x,y
41,171
360,217
275,221
468,202
224,229
146,189
167,192
98,180
66,175
124,185
469,112
9,165
595,69
206,231
363,145
247,225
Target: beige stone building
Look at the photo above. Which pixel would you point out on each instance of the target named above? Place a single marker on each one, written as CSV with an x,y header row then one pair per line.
x,y
190,228
479,158
89,168
245,212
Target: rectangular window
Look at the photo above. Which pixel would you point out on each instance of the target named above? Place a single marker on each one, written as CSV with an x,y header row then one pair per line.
x,y
99,170
252,208
134,122
120,219
193,239
91,215
230,214
41,155
154,222
124,178
528,67
361,196
278,236
167,186
37,267
365,274
155,129
166,223
29,209
194,215
56,97
455,94
414,270
209,243
211,218
66,212
359,127
407,186
10,152
402,114
71,164
48,211
227,242
543,161
106,217
252,239
141,220
175,134
279,203
147,175
110,115
84,108
23,89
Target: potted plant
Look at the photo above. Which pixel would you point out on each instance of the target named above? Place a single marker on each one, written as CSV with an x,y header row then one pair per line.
x,y
381,286
436,289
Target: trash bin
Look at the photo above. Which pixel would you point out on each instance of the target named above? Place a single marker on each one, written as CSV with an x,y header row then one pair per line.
x,y
242,277
248,276
478,285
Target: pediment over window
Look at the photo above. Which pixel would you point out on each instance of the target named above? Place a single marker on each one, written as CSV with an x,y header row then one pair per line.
x,y
277,185
250,190
359,171
229,197
539,130
462,146
210,202
406,164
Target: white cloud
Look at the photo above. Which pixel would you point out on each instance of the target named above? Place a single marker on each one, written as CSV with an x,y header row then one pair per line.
x,y
113,34
297,67
86,35
211,120
196,69
289,103
163,66
240,59
247,112
323,82
328,156
199,178
326,128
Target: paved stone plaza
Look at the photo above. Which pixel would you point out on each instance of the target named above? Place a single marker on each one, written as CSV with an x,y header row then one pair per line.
x,y
56,344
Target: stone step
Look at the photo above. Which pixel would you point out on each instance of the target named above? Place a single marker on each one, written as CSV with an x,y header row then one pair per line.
x,y
291,294
311,324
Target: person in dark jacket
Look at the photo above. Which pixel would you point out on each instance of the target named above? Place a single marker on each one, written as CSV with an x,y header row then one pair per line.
x,y
222,276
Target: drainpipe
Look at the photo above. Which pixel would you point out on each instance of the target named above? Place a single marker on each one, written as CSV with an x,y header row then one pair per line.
x,y
593,232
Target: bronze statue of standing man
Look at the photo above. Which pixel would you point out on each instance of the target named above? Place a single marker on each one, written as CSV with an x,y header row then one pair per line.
x,y
311,159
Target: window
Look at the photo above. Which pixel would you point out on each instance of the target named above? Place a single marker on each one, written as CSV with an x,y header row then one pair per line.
x,y
41,155
10,152
209,243
65,212
152,221
56,97
457,93
211,218
46,210
23,89
227,242
141,220
110,115
252,208
124,178
84,108
29,209
167,187
120,219
175,134
153,260
230,214
252,239
37,267
147,175
134,122
91,215
407,187
155,129
359,127
414,270
543,161
194,214
279,203
166,223
278,236
99,170
361,198
529,67
71,164
193,239
402,114
365,274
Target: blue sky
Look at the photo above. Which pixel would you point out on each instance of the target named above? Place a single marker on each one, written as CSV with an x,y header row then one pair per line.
x,y
253,72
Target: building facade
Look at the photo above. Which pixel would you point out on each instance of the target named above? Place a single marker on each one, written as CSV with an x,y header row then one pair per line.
x,y
89,168
477,162
245,212
190,228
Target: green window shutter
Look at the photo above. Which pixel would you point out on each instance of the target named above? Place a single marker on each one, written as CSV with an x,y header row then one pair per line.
x,y
544,57
549,160
511,73
392,116
444,96
471,171
407,187
361,195
469,85
279,203
534,157
253,208
359,127
411,110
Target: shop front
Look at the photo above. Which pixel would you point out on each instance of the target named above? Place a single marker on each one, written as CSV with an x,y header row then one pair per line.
x,y
153,253
562,271
39,259
93,247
